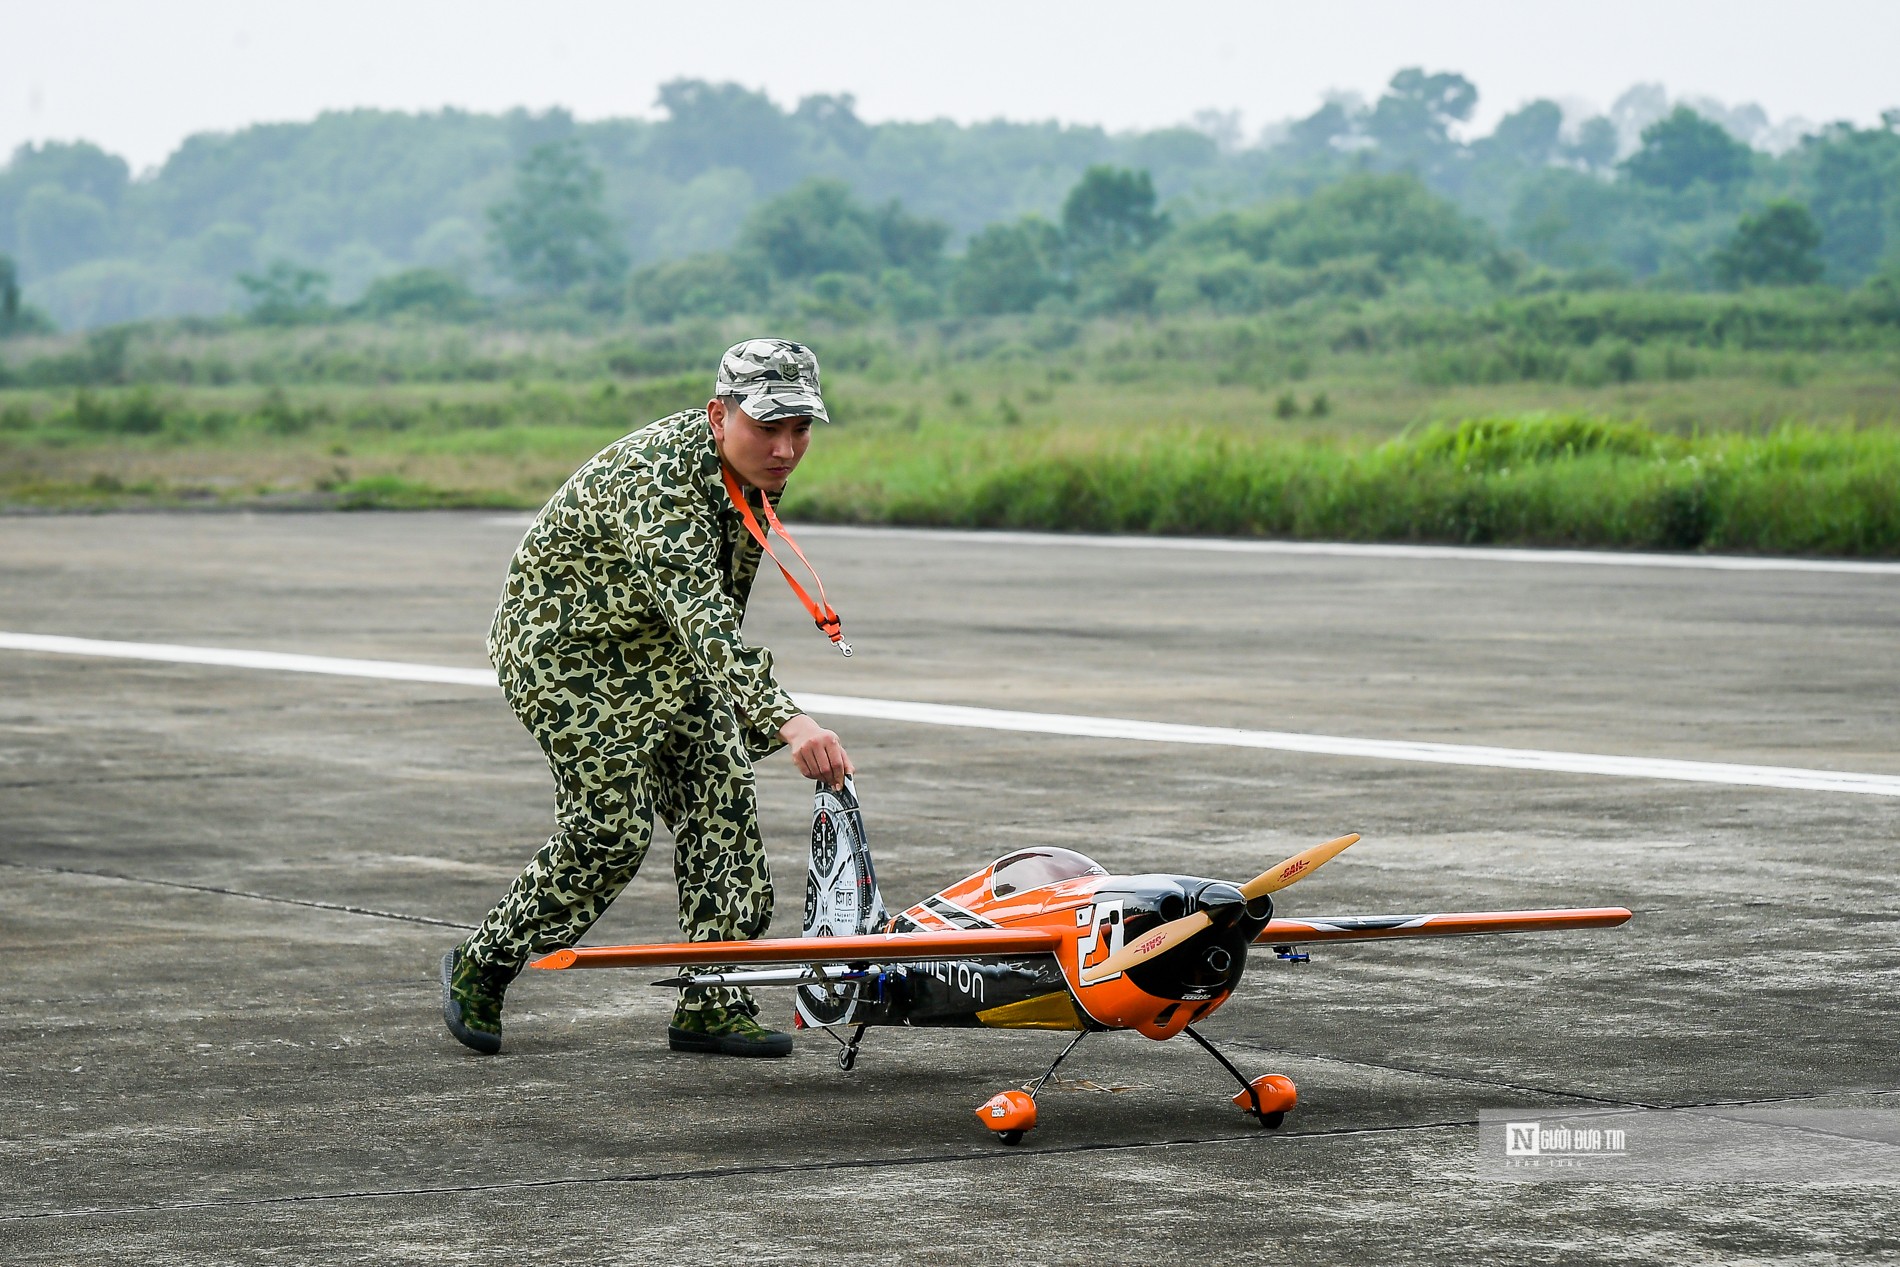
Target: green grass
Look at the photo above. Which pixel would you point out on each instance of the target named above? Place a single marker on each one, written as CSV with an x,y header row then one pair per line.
x,y
1539,480
1753,422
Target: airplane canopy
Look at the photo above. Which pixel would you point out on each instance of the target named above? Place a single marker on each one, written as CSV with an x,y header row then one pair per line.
x,y
1033,868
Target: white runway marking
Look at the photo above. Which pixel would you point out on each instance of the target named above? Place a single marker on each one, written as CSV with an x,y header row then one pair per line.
x,y
1790,777
1339,549
1347,550
235,658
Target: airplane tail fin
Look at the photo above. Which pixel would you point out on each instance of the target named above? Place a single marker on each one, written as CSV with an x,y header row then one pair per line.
x,y
841,894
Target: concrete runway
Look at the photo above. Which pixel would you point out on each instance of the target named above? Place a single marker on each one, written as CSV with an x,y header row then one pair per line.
x,y
207,1059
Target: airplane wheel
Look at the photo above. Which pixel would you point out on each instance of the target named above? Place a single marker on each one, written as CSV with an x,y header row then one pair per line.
x,y
846,1059
1271,1121
1008,1115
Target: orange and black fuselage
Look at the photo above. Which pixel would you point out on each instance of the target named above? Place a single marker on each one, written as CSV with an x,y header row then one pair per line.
x,y
1092,916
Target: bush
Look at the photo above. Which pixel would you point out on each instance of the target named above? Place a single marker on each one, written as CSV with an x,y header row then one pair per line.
x,y
16,316
1775,246
287,294
1393,219
430,292
1009,268
1486,444
136,413
698,286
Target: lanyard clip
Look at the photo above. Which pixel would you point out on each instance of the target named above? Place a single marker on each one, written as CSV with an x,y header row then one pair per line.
x,y
833,629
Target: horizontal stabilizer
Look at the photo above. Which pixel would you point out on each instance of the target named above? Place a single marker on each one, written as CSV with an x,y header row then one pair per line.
x,y
982,943
1286,932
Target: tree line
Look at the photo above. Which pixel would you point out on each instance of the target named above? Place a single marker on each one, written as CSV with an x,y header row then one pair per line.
x,y
730,200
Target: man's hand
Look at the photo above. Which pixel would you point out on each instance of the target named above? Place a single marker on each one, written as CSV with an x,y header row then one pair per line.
x,y
816,751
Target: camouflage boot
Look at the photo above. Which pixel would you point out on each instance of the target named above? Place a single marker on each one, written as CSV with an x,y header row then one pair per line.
x,y
471,1000
724,1032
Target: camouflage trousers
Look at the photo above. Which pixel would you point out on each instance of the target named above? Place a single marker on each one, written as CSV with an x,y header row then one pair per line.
x,y
612,776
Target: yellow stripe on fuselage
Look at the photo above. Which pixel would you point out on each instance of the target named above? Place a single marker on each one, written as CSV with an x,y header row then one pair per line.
x,y
1055,1010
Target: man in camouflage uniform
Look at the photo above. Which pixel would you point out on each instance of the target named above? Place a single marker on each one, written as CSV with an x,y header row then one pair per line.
x,y
617,644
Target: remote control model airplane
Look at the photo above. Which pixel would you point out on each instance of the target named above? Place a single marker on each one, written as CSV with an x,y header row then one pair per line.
x,y
1040,939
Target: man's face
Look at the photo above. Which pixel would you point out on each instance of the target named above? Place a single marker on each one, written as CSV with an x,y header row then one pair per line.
x,y
762,454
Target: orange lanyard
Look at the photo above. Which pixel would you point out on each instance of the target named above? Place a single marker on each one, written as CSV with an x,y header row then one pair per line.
x,y
822,613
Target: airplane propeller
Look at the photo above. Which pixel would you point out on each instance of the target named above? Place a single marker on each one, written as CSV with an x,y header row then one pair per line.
x,y
1161,940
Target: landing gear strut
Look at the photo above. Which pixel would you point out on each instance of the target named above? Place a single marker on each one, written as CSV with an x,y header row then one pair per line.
x,y
1012,1114
1267,1097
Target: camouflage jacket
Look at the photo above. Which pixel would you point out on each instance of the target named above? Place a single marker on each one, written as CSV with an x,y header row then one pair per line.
x,y
639,564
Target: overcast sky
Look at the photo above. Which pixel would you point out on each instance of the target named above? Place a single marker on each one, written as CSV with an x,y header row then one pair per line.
x,y
137,76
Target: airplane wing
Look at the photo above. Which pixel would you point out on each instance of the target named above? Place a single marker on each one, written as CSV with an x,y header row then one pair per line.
x,y
1287,932
869,948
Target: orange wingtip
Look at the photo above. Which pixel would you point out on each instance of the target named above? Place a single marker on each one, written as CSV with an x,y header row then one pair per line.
x,y
1453,924
870,948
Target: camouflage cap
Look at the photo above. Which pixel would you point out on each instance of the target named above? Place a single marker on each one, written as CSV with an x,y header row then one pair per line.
x,y
773,379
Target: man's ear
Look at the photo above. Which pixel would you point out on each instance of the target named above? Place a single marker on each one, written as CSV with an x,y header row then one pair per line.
x,y
716,416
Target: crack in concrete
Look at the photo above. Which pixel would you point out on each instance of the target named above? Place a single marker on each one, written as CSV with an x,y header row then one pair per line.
x,y
1448,1076
866,1163
728,1172
344,907
1472,1079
